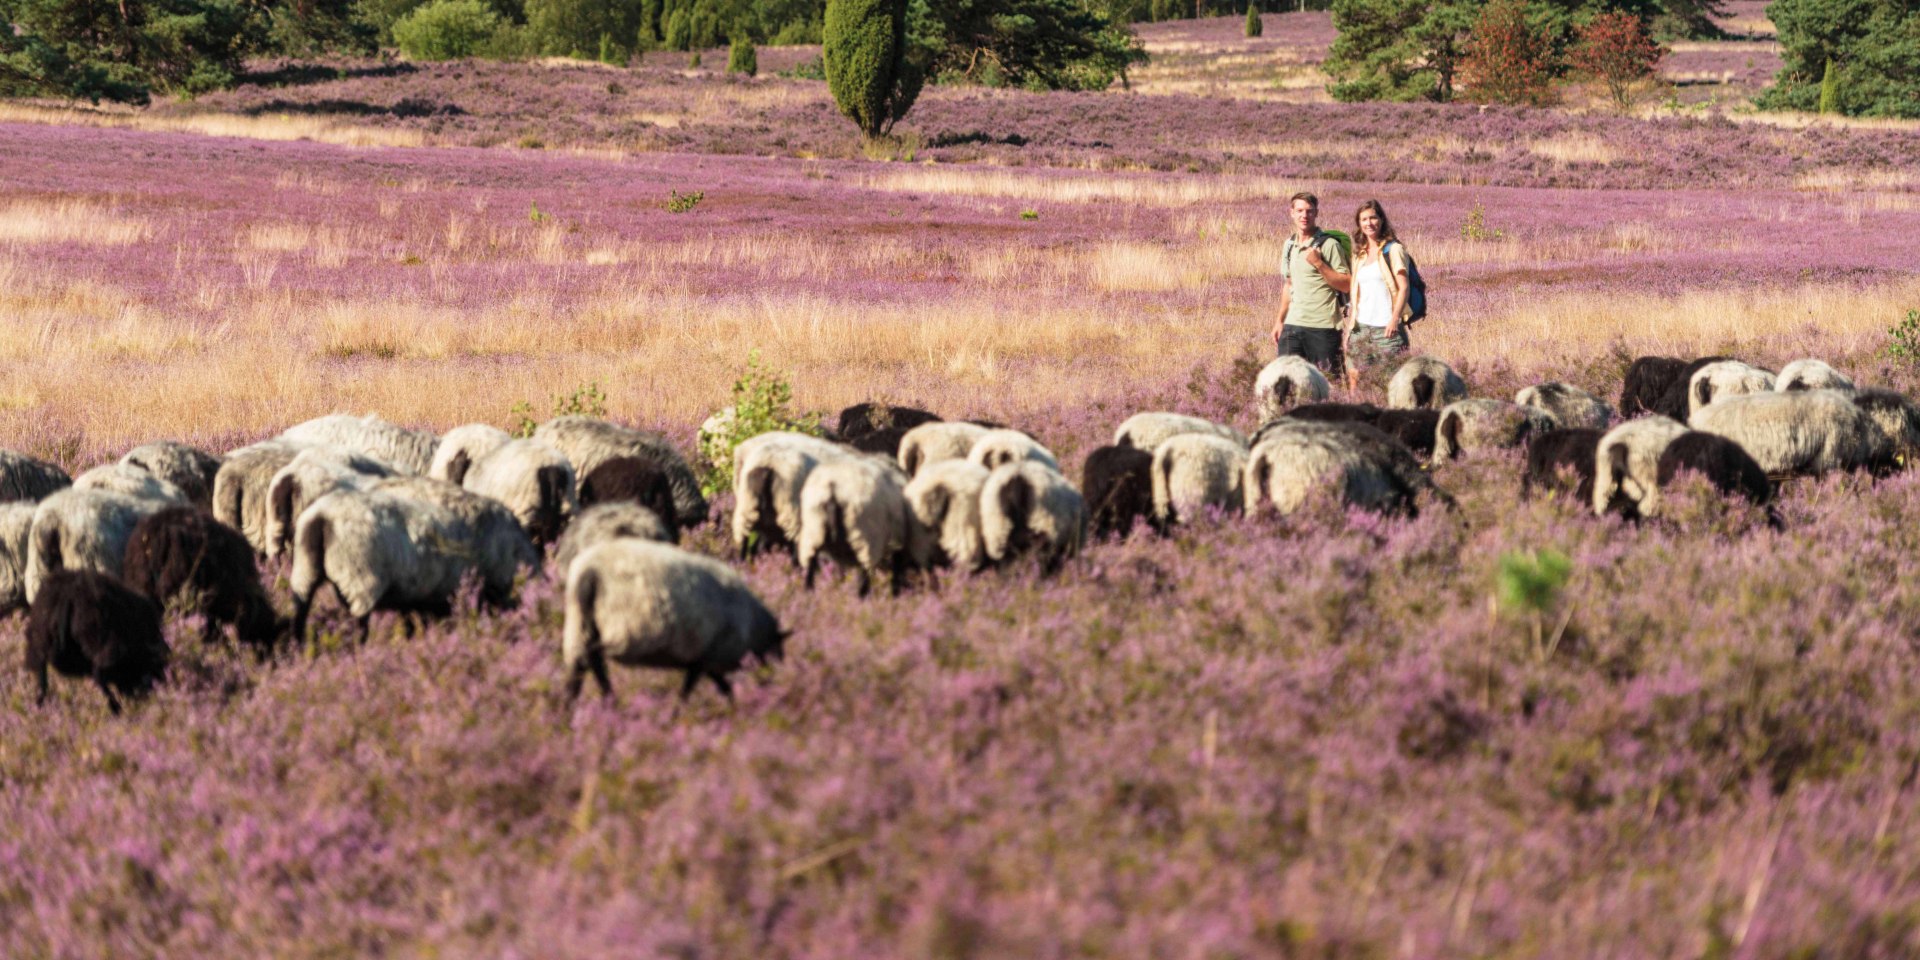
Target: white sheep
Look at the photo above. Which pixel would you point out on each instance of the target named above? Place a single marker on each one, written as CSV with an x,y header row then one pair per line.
x,y
769,472
1285,382
311,474
1626,465
1424,383
648,604
1570,407
1481,424
603,522
934,442
1725,378
534,480
1194,471
854,511
495,543
462,447
1145,431
16,523
1800,431
1810,374
589,442
943,504
26,478
240,489
130,480
188,468
997,448
409,451
87,528
1027,508
1352,462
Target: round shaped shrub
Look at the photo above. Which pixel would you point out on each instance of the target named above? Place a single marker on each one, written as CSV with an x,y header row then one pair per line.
x,y
742,58
445,29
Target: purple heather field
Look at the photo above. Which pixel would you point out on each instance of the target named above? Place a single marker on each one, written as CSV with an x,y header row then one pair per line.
x,y
1324,735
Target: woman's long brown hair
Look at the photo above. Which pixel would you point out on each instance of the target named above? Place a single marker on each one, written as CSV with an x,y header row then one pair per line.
x,y
1360,245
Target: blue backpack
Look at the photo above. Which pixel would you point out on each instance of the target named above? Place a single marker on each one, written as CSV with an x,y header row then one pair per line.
x,y
1416,287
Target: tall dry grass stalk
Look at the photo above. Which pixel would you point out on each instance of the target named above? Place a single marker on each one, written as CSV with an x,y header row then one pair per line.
x,y
69,221
267,127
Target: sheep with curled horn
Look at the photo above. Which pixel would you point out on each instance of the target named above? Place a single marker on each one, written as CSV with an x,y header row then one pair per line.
x,y
1424,383
407,451
1029,509
1285,382
1194,471
1727,378
1146,431
1811,374
1466,426
1568,405
189,468
1626,465
1804,432
934,442
1647,383
462,447
588,442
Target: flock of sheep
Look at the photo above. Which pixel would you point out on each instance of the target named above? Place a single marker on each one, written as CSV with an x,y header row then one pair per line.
x,y
395,519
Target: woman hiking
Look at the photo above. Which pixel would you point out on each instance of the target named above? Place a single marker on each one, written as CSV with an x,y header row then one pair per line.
x,y
1376,329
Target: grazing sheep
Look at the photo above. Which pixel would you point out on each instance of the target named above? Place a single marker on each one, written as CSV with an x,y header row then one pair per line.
x,y
1648,380
1677,402
1812,375
534,480
16,524
636,481
862,419
1417,429
1626,465
311,474
130,480
943,511
883,443
1424,383
770,471
1561,462
489,535
1805,432
183,553
1194,471
408,451
87,529
1335,412
608,521
1896,416
588,442
854,510
240,489
934,442
1470,425
1027,508
1356,463
462,447
87,624
1568,405
1147,431
997,448
1285,382
25,478
189,468
1117,483
1727,378
648,604
1729,468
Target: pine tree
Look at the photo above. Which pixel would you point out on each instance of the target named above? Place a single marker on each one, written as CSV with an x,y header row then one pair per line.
x,y
1253,20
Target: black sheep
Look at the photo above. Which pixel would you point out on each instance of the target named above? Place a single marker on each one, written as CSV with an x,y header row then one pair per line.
x,y
87,624
1725,464
885,442
183,553
1414,428
1675,402
1118,484
635,480
1335,412
1648,380
864,418
1562,461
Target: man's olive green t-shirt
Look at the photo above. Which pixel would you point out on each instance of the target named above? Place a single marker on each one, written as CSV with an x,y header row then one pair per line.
x,y
1314,303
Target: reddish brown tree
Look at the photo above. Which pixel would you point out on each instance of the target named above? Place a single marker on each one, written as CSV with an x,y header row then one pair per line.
x,y
1614,48
1509,56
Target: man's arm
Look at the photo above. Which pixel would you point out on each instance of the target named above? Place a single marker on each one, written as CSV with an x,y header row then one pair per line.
x,y
1286,300
1335,278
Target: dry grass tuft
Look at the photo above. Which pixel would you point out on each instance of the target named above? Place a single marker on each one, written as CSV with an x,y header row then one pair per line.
x,y
69,221
1575,148
267,127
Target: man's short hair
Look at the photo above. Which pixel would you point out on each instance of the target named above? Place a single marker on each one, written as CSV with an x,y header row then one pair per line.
x,y
1312,201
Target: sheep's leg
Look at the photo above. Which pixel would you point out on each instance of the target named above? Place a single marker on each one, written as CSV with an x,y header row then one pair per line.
x,y
210,628
366,627
687,683
813,567
720,680
899,576
597,662
409,624
866,582
301,607
41,675
113,702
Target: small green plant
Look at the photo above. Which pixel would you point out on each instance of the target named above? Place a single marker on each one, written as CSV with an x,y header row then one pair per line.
x,y
1029,214
1529,583
762,403
1905,347
694,63
683,202
742,57
586,400
535,214
1475,227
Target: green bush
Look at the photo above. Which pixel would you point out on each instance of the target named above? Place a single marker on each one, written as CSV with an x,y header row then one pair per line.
x,y
762,403
446,29
584,28
1858,58
1253,20
742,58
869,71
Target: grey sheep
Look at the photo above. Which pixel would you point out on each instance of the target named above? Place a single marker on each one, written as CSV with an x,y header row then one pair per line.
x,y
409,451
769,471
16,523
588,442
1801,431
1812,374
648,604
311,474
1424,383
189,468
1029,509
1470,425
1626,465
943,505
534,480
1570,407
1725,378
603,522
25,478
1298,460
854,511
1285,382
1896,416
87,528
462,447
1146,431
130,480
1194,471
240,489
495,543
997,448
934,442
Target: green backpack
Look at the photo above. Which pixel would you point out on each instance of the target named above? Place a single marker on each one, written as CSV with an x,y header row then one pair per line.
x,y
1346,248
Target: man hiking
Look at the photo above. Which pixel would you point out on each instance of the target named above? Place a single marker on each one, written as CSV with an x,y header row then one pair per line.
x,y
1315,272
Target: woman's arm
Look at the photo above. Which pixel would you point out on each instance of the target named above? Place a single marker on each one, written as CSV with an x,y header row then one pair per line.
x,y
1400,285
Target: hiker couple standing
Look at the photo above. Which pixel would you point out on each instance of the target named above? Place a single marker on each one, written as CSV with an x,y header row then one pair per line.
x,y
1319,273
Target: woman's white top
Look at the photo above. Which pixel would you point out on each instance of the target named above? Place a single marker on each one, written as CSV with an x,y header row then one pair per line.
x,y
1374,302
